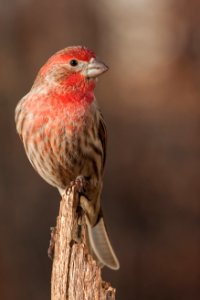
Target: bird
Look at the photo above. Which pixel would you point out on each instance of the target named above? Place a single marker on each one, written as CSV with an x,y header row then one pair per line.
x,y
64,135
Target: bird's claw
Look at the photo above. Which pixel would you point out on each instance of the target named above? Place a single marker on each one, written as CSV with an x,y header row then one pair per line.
x,y
80,184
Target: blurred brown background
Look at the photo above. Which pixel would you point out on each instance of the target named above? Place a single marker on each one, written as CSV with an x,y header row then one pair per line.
x,y
151,102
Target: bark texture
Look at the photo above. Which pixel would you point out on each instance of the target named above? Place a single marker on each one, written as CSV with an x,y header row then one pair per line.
x,y
75,275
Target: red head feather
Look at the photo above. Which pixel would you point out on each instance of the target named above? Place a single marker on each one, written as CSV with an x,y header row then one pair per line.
x,y
63,56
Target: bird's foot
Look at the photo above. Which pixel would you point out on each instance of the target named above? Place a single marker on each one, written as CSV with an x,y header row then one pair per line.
x,y
80,184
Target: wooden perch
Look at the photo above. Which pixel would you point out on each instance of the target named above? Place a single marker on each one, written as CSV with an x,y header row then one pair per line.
x,y
75,275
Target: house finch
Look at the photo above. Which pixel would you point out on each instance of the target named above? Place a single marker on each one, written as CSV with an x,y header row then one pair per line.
x,y
64,134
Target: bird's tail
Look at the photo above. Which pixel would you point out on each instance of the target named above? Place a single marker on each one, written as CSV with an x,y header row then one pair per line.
x,y
101,246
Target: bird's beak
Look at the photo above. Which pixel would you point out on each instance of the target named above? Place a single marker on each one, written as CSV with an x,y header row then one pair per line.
x,y
94,68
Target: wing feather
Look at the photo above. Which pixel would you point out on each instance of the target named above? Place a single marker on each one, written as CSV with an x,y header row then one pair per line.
x,y
102,132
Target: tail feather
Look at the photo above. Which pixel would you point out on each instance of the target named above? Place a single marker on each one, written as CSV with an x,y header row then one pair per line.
x,y
101,246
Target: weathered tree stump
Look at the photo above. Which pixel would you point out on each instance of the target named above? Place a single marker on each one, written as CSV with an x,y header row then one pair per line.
x,y
75,274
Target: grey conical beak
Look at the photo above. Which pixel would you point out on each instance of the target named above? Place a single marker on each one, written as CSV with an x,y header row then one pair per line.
x,y
94,68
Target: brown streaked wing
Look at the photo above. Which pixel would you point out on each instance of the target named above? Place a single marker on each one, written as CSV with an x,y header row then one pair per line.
x,y
102,132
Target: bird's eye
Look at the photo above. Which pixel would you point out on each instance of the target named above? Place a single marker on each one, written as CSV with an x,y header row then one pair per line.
x,y
73,62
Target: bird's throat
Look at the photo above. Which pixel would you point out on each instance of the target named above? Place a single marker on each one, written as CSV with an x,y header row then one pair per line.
x,y
78,94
